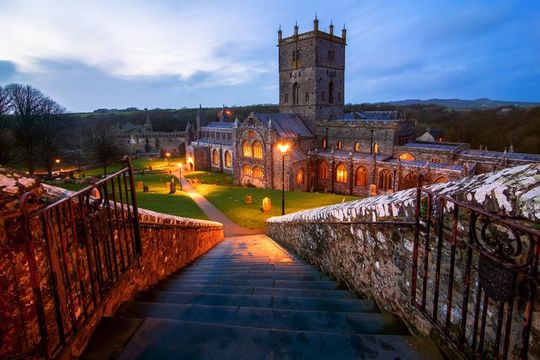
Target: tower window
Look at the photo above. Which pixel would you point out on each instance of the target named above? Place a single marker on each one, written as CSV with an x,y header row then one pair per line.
x,y
339,96
331,92
307,96
324,143
323,96
331,55
295,91
339,145
356,146
286,98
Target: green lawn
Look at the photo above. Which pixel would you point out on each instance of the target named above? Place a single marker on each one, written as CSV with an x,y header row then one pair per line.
x,y
206,177
157,199
230,200
139,164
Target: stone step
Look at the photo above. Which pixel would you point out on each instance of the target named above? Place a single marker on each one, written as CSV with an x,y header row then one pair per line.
x,y
255,290
285,284
269,275
170,339
261,301
244,269
327,321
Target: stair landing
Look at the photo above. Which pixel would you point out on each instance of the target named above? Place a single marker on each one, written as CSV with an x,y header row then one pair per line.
x,y
248,298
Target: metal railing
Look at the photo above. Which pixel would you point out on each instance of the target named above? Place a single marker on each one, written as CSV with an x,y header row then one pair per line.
x,y
474,276
75,249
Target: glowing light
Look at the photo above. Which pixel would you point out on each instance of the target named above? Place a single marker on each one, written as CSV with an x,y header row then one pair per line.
x,y
57,161
168,154
375,148
283,148
180,165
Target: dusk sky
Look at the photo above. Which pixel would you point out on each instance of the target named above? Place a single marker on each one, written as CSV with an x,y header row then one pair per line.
x,y
170,54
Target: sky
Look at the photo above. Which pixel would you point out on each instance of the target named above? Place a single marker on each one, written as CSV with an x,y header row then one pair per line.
x,y
173,53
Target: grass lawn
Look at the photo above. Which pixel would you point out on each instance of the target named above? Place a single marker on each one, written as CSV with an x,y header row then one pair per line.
x,y
206,177
138,164
157,199
230,200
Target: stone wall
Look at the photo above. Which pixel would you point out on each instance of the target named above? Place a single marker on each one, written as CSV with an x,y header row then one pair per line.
x,y
376,260
168,243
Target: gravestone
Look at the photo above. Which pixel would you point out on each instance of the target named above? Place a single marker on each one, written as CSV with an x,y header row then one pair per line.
x,y
372,189
266,204
139,185
248,199
145,188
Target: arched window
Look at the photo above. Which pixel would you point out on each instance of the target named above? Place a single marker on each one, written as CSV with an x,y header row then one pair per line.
x,y
440,180
300,177
409,181
228,159
339,145
258,172
385,180
339,96
324,143
286,98
331,92
215,157
435,160
257,149
307,96
246,170
361,176
295,93
406,156
341,173
246,149
323,170
357,147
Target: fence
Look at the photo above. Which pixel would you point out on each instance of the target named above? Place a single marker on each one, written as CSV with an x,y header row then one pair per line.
x,y
74,251
474,276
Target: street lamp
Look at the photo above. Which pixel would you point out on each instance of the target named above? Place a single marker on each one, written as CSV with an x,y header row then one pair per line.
x,y
283,148
57,161
168,156
180,174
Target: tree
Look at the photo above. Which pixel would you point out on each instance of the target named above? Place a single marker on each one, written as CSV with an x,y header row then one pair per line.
x,y
103,147
51,140
34,113
5,131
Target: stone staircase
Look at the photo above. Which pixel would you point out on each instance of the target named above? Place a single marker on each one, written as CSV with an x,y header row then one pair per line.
x,y
247,298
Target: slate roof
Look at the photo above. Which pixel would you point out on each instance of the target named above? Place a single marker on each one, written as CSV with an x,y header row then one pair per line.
x,y
423,163
219,124
499,155
357,156
373,115
213,141
451,147
287,125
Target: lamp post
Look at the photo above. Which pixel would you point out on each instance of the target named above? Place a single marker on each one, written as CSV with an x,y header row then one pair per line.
x,y
283,148
57,161
180,175
168,156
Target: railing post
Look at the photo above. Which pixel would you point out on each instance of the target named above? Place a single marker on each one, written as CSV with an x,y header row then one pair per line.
x,y
34,273
416,239
135,220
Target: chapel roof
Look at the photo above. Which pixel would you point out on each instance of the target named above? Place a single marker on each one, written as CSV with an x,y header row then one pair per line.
x,y
286,124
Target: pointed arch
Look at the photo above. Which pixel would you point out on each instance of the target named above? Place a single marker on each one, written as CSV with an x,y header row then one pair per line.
x,y
385,180
228,159
296,93
258,172
257,149
323,170
342,175
246,149
246,170
215,157
360,176
331,92
409,181
300,176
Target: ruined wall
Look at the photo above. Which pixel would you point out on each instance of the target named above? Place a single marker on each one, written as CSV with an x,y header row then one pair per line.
x,y
376,260
168,243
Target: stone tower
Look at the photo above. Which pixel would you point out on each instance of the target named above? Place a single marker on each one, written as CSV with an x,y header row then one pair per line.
x,y
311,74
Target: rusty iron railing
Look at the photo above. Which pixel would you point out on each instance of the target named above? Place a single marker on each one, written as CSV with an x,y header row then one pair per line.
x,y
474,276
75,249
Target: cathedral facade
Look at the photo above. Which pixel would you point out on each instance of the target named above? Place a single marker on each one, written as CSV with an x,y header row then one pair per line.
x,y
360,153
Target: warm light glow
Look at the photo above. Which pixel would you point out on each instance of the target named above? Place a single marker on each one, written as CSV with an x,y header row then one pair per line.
x,y
375,148
180,165
57,161
283,148
406,157
168,154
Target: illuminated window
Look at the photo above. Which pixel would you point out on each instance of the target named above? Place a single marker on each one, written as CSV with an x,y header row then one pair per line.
x,y
258,172
246,149
361,176
385,180
257,150
406,156
323,170
246,170
215,157
324,144
341,173
435,160
356,146
339,145
228,159
440,180
300,177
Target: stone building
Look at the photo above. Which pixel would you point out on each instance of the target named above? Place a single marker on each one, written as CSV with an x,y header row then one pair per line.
x,y
360,153
142,139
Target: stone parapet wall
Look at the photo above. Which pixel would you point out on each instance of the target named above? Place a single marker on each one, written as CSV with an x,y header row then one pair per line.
x,y
168,244
376,259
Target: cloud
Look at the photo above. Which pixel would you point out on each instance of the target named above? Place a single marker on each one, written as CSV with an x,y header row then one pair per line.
x,y
7,71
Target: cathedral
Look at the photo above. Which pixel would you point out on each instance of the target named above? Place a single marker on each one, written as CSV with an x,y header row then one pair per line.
x,y
312,145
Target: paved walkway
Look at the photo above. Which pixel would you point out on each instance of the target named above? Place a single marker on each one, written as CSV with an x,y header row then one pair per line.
x,y
230,228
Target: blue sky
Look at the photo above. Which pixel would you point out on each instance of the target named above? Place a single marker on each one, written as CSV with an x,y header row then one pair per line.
x,y
170,54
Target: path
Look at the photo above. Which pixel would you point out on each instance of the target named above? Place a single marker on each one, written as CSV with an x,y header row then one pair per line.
x,y
230,228
248,298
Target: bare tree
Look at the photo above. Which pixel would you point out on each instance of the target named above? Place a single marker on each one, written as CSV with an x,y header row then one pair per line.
x,y
5,131
103,147
33,112
52,126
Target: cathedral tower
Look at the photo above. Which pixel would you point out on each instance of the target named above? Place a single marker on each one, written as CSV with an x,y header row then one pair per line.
x,y
312,74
